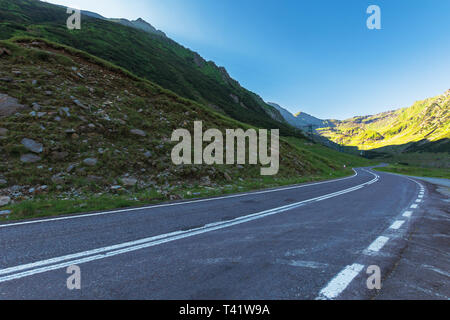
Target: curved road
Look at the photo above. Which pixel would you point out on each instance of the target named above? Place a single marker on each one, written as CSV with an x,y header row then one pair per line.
x,y
312,241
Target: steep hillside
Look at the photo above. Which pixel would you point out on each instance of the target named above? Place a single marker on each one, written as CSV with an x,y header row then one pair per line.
x,y
72,125
425,126
153,57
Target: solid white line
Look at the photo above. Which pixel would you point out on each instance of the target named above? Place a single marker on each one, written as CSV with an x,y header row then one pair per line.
x,y
397,224
407,214
414,206
378,244
339,283
173,204
105,252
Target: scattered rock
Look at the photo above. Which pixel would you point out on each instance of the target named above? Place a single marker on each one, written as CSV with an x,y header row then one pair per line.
x,y
78,103
32,145
58,156
3,131
30,158
64,112
138,132
148,154
94,179
48,93
70,168
36,107
91,162
3,182
129,182
9,106
227,176
5,213
58,179
4,201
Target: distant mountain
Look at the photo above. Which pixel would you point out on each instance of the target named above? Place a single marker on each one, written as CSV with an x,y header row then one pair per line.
x,y
140,24
425,126
300,120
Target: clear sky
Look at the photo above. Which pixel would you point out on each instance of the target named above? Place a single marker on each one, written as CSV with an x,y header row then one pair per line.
x,y
316,56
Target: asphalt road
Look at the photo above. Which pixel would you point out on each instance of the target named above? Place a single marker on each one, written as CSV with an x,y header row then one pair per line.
x,y
312,241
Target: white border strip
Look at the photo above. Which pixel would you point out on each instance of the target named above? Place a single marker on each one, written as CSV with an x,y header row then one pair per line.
x,y
87,215
339,283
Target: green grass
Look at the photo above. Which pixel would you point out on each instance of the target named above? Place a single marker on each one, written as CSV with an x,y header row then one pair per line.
x,y
417,171
52,206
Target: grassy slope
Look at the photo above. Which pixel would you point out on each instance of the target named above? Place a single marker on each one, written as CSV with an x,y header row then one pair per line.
x,y
117,102
417,171
160,60
425,120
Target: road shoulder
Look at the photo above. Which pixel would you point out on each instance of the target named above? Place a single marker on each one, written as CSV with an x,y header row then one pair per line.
x,y
422,270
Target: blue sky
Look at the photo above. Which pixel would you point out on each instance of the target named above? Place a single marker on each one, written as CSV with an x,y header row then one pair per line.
x,y
313,56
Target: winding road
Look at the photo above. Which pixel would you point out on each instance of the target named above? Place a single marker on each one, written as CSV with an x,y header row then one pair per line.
x,y
311,241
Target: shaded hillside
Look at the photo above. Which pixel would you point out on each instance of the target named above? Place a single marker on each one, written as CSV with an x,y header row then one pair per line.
x,y
425,126
153,57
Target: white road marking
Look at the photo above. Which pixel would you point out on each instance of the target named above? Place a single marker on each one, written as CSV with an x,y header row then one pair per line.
x,y
418,201
407,214
414,206
397,224
179,203
105,252
378,244
339,283
421,196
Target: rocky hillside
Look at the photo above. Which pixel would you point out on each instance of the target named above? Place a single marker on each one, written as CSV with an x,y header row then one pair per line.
x,y
146,54
73,125
423,126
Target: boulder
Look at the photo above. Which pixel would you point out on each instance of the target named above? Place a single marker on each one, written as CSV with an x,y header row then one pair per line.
x,y
9,106
129,182
91,162
32,145
4,201
30,158
58,156
138,132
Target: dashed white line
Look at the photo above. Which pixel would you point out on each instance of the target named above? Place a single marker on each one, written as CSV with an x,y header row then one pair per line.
x,y
414,206
378,244
418,200
397,225
407,214
339,283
